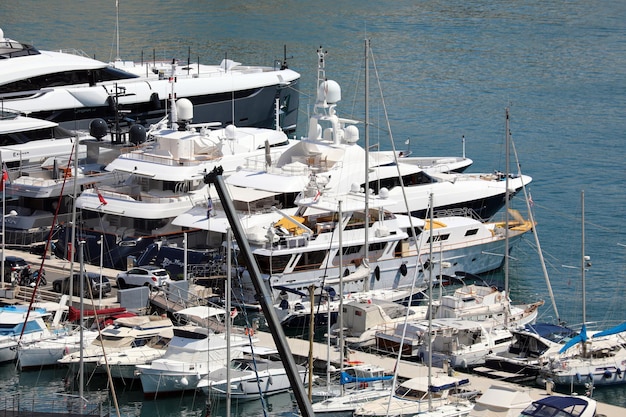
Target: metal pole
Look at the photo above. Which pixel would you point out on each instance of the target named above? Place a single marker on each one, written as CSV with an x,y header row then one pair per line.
x,y
229,239
265,299
3,221
101,255
81,286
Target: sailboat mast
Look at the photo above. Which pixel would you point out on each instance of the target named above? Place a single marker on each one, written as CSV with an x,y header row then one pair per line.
x,y
340,316
367,168
582,257
229,318
117,30
430,304
81,369
506,214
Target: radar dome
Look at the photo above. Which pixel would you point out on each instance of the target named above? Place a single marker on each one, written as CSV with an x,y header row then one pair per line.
x,y
184,109
352,134
98,128
230,131
329,91
137,134
383,193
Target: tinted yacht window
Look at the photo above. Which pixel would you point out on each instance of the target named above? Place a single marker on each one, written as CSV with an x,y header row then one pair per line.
x,y
59,79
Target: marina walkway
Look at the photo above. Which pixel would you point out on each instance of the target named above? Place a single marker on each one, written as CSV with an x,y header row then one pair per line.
x,y
321,351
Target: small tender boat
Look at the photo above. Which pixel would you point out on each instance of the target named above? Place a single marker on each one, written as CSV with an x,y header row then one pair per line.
x,y
251,377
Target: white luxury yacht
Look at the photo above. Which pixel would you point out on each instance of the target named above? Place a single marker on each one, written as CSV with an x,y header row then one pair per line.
x,y
70,88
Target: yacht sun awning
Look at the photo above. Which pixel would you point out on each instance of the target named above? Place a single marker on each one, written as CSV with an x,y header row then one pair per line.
x,y
202,312
248,195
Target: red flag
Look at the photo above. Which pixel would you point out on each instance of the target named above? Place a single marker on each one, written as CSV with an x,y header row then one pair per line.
x,y
100,197
5,177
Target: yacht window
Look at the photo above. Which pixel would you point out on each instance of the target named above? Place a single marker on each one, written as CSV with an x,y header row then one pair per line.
x,y
16,138
349,250
64,78
272,264
377,246
311,259
440,238
471,232
408,180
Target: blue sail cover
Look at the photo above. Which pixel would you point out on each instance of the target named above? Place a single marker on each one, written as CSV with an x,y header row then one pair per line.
x,y
613,330
348,379
582,337
452,385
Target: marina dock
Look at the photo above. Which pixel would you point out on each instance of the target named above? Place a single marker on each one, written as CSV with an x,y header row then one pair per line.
x,y
321,352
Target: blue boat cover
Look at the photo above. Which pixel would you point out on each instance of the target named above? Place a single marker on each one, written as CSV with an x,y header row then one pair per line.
x,y
613,330
552,332
568,406
433,388
582,337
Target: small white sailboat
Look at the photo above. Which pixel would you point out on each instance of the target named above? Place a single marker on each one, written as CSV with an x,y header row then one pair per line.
x,y
589,359
250,377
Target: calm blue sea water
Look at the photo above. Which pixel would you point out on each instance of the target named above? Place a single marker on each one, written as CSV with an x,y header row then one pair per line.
x,y
447,69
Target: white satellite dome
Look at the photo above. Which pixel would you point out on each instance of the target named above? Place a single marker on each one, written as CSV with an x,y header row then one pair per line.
x,y
351,134
329,91
230,131
184,109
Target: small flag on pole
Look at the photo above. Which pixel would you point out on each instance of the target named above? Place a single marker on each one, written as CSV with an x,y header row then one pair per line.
x,y
530,200
5,177
317,196
100,197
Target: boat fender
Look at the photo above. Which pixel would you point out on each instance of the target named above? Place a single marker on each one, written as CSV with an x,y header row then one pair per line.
x,y
377,273
590,376
111,107
249,331
155,103
363,385
578,377
403,270
619,373
346,272
607,374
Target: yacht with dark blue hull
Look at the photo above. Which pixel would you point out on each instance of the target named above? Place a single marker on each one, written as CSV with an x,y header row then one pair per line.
x,y
72,89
